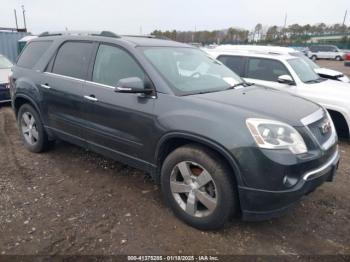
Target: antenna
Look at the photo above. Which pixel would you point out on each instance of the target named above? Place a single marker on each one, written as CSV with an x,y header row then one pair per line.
x,y
14,10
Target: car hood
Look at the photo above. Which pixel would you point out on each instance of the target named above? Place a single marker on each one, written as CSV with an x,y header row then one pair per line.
x,y
329,72
263,102
4,73
328,89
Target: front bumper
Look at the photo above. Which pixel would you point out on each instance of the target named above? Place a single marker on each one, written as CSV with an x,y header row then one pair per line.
x,y
4,93
264,204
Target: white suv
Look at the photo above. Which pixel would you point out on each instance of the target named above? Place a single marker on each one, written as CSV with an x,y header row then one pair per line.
x,y
294,75
325,52
321,71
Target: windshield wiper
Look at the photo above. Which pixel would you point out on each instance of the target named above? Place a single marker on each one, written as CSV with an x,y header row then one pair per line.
x,y
244,84
318,80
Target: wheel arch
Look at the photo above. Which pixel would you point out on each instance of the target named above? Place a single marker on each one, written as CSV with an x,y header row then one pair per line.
x,y
169,142
340,121
22,99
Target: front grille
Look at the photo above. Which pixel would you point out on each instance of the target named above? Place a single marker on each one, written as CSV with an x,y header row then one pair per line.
x,y
321,129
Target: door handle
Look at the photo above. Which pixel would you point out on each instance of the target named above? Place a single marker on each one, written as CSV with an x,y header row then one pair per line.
x,y
91,98
46,86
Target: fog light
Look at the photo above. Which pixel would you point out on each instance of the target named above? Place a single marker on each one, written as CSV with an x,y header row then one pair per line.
x,y
289,181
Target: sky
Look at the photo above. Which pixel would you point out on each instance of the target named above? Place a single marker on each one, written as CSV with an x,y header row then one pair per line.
x,y
135,17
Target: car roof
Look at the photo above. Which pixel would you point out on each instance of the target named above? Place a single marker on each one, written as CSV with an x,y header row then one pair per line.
x,y
248,53
110,37
259,48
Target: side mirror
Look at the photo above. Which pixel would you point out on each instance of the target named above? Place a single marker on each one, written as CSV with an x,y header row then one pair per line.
x,y
286,79
132,85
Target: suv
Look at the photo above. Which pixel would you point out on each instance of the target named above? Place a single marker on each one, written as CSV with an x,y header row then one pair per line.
x,y
321,71
217,146
325,52
294,75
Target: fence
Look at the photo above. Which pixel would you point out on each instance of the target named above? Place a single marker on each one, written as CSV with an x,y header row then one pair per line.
x,y
8,44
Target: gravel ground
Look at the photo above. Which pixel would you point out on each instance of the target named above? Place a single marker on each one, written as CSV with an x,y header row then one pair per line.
x,y
71,201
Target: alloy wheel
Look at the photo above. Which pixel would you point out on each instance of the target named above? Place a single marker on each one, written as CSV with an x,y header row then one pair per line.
x,y
29,128
194,189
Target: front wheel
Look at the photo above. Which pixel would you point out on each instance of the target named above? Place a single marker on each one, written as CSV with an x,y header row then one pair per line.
x,y
199,187
338,58
313,58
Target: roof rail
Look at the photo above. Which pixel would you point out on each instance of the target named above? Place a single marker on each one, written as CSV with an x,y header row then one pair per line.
x,y
144,36
80,33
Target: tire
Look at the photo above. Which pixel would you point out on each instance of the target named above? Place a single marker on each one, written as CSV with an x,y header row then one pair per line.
x,y
313,58
338,58
32,131
214,203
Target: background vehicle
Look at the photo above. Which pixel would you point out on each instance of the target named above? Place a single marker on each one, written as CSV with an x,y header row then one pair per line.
x,y
154,104
347,60
294,75
325,52
321,71
5,69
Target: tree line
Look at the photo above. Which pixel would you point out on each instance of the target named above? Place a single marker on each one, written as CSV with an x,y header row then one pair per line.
x,y
293,33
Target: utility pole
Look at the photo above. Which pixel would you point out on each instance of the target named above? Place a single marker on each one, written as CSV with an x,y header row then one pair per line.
x,y
14,10
24,18
346,13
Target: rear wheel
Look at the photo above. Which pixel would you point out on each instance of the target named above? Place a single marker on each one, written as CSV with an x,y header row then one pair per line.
x,y
31,129
198,187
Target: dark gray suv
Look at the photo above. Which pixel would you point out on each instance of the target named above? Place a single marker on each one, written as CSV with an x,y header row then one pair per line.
x,y
218,146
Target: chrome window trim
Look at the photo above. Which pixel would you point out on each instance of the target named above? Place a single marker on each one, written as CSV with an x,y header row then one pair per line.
x,y
320,169
99,84
317,115
66,77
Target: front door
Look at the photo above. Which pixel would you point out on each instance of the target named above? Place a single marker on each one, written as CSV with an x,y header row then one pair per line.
x,y
265,72
118,124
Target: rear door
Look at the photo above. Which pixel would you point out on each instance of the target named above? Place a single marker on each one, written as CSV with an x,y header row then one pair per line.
x,y
324,52
62,85
265,72
117,124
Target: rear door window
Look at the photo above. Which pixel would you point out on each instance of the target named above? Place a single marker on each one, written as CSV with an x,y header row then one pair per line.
x,y
32,53
265,69
235,63
73,59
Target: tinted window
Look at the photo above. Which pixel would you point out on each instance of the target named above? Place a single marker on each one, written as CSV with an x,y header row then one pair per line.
x,y
235,63
73,59
265,69
113,64
32,53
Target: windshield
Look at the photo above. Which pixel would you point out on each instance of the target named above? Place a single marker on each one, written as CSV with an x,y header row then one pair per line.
x,y
303,70
191,71
4,63
305,59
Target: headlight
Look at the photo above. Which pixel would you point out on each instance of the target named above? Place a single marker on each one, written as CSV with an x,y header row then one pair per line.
x,y
272,134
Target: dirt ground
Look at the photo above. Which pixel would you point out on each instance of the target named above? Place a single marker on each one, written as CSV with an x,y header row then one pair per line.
x,y
70,201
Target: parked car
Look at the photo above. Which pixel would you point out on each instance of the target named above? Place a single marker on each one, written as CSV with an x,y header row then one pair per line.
x,y
5,69
321,71
325,52
294,75
347,60
217,146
